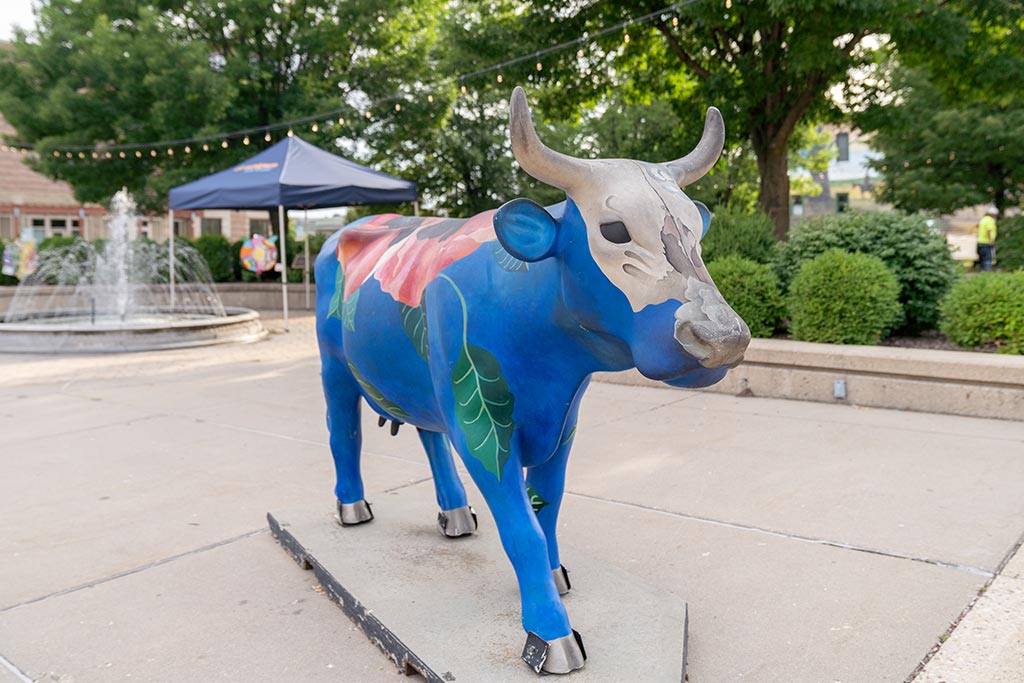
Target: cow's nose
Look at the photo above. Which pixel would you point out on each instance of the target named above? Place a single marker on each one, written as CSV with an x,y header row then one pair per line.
x,y
710,331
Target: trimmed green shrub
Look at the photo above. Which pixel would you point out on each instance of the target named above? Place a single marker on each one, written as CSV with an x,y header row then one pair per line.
x,y
752,290
216,250
986,309
919,257
57,241
1010,243
843,298
734,231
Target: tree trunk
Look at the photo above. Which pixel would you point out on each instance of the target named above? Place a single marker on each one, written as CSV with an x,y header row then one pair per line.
x,y
773,165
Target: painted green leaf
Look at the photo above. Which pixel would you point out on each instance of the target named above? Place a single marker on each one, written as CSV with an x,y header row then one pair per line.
x,y
348,313
375,395
507,261
338,300
414,322
536,500
568,437
483,407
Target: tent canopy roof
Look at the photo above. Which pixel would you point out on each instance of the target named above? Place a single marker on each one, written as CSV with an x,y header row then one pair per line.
x,y
294,174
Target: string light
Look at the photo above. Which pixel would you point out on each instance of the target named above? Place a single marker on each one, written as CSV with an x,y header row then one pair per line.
x,y
152,152
579,53
123,155
108,155
675,21
463,88
341,120
245,140
368,114
500,78
728,4
315,127
95,155
291,132
267,137
81,155
625,38
539,66
224,144
188,150
56,153
430,98
206,147
170,152
398,107
138,153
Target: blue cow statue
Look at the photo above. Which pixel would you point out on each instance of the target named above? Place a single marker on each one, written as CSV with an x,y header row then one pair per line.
x,y
485,332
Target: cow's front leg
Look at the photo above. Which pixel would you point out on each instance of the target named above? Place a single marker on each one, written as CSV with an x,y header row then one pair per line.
x,y
545,486
551,645
456,518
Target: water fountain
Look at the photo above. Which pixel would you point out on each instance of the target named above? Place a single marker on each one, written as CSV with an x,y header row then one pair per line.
x,y
121,295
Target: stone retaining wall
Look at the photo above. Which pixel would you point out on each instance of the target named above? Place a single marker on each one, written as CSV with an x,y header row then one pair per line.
x,y
952,382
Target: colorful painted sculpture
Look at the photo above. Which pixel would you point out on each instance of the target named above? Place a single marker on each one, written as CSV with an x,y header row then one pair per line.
x,y
258,253
485,332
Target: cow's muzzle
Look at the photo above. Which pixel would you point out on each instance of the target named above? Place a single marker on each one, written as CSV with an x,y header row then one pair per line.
x,y
708,329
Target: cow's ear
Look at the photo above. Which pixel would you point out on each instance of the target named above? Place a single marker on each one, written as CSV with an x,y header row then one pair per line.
x,y
705,217
526,230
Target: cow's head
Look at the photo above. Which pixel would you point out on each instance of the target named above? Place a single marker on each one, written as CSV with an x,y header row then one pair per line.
x,y
629,241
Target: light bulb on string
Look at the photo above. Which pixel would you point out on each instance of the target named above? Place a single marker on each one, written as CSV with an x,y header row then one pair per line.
x,y
463,89
267,137
95,155
81,155
728,4
315,127
68,154
675,21
188,150
625,38
398,107
341,120
579,53
500,78
224,144
368,115
152,152
56,153
108,155
291,132
123,155
170,152
539,66
430,98
245,140
138,154
206,147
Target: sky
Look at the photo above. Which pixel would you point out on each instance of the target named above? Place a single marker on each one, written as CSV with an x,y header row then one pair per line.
x,y
14,12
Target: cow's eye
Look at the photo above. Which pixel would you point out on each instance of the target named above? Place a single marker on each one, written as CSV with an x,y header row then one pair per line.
x,y
615,231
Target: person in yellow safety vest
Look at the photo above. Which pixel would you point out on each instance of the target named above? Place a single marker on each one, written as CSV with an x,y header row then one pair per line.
x,y
987,237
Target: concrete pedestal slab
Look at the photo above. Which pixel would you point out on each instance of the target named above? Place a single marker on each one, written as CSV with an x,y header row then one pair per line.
x,y
448,609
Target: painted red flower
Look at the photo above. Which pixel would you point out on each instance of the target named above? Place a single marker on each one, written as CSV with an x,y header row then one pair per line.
x,y
405,254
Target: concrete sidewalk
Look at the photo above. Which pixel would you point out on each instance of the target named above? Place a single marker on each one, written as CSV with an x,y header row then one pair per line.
x,y
814,543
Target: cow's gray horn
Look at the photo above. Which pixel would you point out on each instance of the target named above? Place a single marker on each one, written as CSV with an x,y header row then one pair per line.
x,y
546,165
697,163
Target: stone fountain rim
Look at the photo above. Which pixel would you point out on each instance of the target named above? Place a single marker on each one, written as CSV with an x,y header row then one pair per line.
x,y
239,325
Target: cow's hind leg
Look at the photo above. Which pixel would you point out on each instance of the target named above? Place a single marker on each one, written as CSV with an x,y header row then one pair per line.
x,y
342,396
456,518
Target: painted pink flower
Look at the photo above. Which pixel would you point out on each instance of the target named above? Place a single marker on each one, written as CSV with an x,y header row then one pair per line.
x,y
405,254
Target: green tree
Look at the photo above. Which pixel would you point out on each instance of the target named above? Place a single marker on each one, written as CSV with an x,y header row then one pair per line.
x,y
110,72
941,155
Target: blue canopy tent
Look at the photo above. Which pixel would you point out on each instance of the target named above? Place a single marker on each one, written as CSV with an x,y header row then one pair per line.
x,y
292,174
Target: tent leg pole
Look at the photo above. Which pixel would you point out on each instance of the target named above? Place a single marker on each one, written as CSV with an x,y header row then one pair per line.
x,y
305,268
283,232
170,240
416,208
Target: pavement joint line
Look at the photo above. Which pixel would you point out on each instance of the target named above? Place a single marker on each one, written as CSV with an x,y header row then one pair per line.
x,y
407,485
9,665
794,537
136,570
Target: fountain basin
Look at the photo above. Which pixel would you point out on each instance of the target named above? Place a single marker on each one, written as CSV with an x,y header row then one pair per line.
x,y
78,331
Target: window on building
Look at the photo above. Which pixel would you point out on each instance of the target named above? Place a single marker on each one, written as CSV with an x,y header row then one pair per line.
x,y
76,227
58,226
843,143
211,226
182,227
37,231
259,225
842,202
6,228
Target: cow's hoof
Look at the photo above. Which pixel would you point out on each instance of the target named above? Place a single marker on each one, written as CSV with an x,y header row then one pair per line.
x,y
561,579
458,522
560,656
351,514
